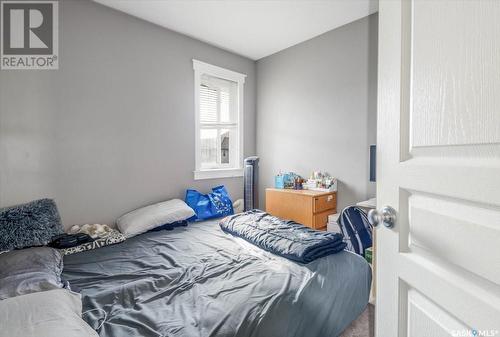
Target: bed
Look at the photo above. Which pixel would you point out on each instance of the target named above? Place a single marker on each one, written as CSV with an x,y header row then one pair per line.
x,y
198,281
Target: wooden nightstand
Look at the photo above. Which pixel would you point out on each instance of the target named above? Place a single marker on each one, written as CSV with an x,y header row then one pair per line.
x,y
310,208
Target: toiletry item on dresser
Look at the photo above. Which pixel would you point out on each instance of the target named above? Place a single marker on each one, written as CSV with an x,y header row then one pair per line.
x,y
288,180
279,180
297,184
321,181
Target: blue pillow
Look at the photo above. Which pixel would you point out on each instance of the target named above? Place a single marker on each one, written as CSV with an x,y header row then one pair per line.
x,y
28,225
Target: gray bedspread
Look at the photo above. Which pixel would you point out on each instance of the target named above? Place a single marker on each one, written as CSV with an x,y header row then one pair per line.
x,y
199,281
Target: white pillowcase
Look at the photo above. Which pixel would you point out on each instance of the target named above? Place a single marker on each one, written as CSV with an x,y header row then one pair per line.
x,y
44,314
144,219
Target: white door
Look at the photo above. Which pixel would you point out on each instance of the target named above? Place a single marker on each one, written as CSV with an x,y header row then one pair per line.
x,y
438,268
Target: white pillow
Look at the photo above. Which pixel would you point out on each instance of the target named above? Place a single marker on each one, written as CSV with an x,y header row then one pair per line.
x,y
44,314
144,219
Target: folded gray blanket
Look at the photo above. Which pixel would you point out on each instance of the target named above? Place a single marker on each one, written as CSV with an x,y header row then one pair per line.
x,y
283,237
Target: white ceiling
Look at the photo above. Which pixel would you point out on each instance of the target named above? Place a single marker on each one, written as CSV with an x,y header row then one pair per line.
x,y
252,28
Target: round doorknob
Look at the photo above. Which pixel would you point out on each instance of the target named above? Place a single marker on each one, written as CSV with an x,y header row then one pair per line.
x,y
386,216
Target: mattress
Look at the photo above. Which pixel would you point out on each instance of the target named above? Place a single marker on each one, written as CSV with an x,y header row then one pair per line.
x,y
198,281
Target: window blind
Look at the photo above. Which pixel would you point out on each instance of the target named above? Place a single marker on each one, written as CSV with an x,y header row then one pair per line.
x,y
208,104
216,97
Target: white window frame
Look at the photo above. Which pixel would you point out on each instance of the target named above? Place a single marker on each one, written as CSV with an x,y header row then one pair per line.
x,y
200,69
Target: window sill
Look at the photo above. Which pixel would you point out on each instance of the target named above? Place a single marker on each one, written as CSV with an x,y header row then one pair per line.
x,y
218,173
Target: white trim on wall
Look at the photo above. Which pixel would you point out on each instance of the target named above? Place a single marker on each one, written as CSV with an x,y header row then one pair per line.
x,y
220,72
201,68
218,173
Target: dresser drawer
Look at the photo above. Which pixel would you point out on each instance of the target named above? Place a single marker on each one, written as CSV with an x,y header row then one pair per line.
x,y
321,219
324,202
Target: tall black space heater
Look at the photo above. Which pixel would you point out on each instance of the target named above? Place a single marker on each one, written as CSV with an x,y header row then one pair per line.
x,y
251,181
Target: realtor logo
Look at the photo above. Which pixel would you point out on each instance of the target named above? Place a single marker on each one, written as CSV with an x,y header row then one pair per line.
x,y
29,35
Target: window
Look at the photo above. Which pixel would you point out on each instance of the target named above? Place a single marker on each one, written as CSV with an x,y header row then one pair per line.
x,y
219,112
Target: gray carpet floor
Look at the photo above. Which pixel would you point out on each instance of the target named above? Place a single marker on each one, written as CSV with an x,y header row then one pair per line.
x,y
363,326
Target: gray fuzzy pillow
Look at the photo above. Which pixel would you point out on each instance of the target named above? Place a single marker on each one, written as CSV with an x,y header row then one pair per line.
x,y
28,225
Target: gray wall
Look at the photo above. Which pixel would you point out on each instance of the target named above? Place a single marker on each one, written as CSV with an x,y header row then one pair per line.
x,y
316,109
113,128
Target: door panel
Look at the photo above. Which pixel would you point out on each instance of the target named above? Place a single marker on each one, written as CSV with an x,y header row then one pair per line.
x,y
455,78
460,233
468,298
425,318
438,269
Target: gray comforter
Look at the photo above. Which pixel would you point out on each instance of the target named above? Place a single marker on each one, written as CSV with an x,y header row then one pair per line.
x,y
199,281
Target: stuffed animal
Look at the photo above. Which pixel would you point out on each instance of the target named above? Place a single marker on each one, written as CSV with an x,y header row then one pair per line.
x,y
94,230
238,206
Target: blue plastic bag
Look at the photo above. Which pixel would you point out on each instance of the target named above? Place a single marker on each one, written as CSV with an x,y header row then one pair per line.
x,y
212,205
